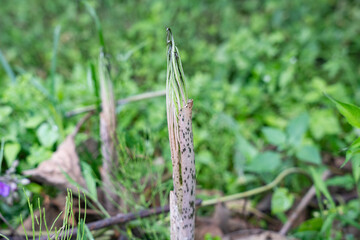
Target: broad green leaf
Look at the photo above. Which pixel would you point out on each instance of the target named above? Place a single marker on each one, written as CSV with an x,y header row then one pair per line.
x,y
313,224
323,122
11,151
320,185
89,179
38,154
286,76
34,121
297,128
274,136
246,148
309,153
345,181
4,113
265,162
244,152
281,200
47,134
34,188
205,157
349,111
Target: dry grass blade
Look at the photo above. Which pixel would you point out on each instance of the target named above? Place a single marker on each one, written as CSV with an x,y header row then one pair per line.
x,y
107,134
179,116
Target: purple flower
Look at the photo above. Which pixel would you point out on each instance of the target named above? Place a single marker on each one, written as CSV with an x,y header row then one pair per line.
x,y
4,189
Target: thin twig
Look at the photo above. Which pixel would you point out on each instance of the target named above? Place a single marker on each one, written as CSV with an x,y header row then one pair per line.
x,y
81,122
255,191
303,203
123,101
124,218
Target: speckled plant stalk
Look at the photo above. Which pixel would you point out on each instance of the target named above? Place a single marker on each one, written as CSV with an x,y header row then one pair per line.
x,y
179,113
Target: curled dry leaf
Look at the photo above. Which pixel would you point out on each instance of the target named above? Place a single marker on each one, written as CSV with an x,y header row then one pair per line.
x,y
64,160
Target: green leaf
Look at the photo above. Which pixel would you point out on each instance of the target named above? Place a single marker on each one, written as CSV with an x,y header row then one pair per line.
x,y
265,162
89,235
274,136
11,151
246,148
320,185
53,60
38,154
34,121
47,134
84,232
356,167
346,181
349,111
7,68
309,153
4,113
323,122
286,76
95,17
326,227
313,224
281,200
89,179
297,128
352,150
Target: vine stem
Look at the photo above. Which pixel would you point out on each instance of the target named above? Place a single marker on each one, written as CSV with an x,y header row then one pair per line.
x,y
255,191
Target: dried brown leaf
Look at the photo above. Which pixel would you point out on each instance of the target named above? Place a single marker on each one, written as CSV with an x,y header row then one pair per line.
x,y
64,160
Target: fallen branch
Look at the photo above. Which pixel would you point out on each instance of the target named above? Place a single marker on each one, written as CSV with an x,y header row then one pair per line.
x,y
303,203
124,218
123,101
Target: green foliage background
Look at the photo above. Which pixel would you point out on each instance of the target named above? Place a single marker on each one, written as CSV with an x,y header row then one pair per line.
x,y
256,70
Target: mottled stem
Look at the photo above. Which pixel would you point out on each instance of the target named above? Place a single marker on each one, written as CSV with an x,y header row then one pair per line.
x,y
179,115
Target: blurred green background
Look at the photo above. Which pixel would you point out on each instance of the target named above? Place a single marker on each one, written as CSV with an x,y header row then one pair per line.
x,y
257,71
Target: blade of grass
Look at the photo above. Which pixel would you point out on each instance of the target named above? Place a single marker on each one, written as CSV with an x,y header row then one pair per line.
x,y
96,86
22,224
53,61
7,68
3,236
53,107
42,90
46,227
95,17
